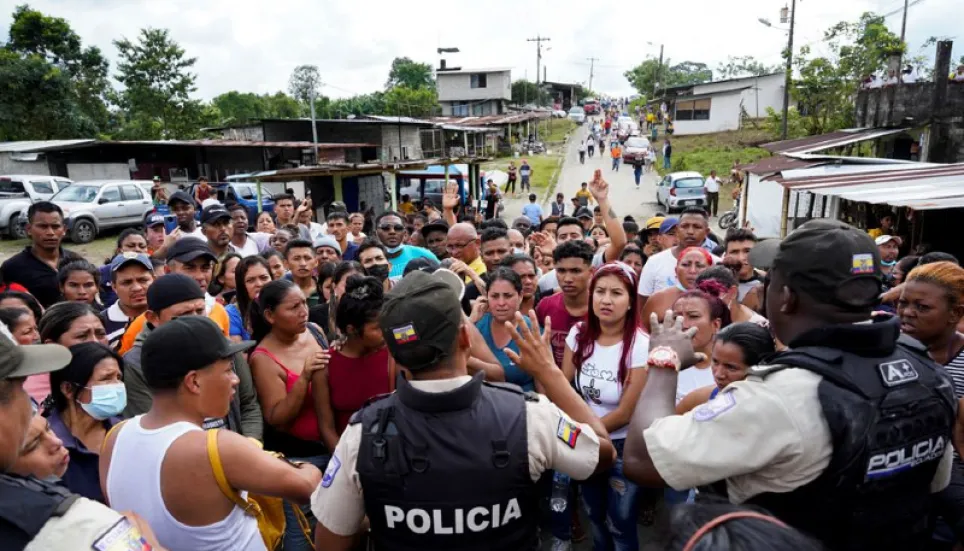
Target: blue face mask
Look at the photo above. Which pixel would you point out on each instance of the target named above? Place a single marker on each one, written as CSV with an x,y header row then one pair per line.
x,y
106,401
888,264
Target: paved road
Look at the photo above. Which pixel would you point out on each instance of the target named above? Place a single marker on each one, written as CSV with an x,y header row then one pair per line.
x,y
624,196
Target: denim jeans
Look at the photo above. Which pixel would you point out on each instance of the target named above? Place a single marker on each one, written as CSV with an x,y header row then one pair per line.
x,y
666,163
638,173
615,163
612,505
294,538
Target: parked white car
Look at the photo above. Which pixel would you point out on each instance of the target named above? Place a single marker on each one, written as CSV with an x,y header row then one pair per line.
x,y
18,192
92,206
679,190
577,114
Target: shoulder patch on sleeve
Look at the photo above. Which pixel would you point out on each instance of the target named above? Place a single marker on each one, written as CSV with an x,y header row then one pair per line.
x,y
121,536
333,466
568,432
715,407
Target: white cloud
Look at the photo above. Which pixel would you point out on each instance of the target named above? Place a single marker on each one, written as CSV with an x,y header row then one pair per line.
x,y
254,45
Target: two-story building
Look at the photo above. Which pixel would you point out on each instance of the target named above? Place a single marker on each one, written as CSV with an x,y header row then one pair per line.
x,y
474,92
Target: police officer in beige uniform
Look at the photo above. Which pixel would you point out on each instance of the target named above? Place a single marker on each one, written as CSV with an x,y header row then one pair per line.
x,y
844,435
449,461
37,515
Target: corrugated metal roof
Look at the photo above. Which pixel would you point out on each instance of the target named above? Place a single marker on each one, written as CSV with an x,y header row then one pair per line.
x,y
78,144
829,140
770,165
494,120
293,174
920,186
394,120
38,145
751,77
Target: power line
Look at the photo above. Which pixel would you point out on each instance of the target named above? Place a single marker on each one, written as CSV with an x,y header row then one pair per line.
x,y
538,40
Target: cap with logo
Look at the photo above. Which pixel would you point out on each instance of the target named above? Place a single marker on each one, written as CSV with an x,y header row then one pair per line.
x,y
420,320
182,345
654,222
188,248
154,220
171,289
668,224
183,197
213,213
887,239
832,262
129,257
31,359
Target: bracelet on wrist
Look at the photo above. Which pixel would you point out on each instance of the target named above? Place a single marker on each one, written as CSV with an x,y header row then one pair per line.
x,y
663,357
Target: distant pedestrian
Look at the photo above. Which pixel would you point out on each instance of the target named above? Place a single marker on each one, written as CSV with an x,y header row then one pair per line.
x,y
582,152
617,155
512,176
591,145
491,200
667,154
525,171
638,163
650,158
533,211
712,188
559,206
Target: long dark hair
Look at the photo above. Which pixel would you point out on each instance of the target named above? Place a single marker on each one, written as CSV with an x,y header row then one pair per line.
x,y
271,296
240,273
591,329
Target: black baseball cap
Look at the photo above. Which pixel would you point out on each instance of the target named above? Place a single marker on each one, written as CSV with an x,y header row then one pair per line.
x,y
154,220
183,197
30,359
171,289
420,320
831,262
182,345
583,212
188,248
213,213
438,225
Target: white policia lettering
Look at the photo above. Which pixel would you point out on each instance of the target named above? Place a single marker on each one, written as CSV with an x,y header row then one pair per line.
x,y
895,461
477,519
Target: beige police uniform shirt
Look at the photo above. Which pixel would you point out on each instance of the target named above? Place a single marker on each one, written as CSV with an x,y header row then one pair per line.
x,y
86,524
340,506
760,435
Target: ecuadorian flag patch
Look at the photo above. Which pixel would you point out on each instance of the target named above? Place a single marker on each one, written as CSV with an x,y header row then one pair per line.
x,y
862,264
405,334
567,432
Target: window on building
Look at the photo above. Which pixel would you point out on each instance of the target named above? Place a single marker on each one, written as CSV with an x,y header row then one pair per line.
x,y
482,109
479,80
460,109
693,110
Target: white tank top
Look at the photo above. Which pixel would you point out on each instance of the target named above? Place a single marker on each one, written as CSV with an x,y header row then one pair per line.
x,y
134,484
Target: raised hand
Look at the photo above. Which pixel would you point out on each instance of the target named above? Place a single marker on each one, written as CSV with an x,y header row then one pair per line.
x,y
535,353
670,345
598,187
450,196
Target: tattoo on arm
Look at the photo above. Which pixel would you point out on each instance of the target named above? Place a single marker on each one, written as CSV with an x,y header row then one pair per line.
x,y
612,213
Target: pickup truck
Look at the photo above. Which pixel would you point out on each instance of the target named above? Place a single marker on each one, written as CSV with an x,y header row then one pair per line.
x,y
244,193
18,191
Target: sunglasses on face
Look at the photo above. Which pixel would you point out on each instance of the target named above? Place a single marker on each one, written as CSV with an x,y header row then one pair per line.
x,y
391,227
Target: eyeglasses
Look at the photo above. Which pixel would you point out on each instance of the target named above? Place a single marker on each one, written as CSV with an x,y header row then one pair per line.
x,y
391,227
457,246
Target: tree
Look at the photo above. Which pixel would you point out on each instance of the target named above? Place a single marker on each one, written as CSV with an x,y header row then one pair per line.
x,y
52,39
414,75
525,92
650,72
745,66
241,107
827,85
157,91
411,102
305,83
38,102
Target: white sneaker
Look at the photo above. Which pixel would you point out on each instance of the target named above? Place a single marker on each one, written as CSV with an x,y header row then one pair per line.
x,y
560,545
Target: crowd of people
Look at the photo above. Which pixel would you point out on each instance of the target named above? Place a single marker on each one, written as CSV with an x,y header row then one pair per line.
x,y
436,379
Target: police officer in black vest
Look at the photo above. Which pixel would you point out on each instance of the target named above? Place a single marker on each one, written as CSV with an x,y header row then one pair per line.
x,y
449,461
36,515
845,435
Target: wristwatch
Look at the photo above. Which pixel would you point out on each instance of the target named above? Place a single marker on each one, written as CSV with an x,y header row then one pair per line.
x,y
663,357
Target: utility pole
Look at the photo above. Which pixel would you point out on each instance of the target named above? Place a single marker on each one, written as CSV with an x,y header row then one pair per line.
x,y
592,65
659,69
314,127
903,33
538,40
786,84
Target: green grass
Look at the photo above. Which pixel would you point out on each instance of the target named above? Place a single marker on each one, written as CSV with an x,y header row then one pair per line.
x,y
95,252
707,152
558,129
543,168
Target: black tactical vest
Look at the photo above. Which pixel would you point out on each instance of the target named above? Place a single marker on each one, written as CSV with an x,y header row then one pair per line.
x,y
890,420
448,470
26,504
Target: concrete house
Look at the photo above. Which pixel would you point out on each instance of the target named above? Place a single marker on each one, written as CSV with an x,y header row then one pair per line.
x,y
720,106
474,92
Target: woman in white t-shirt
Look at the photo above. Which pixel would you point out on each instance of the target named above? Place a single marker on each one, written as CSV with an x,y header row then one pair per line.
x,y
603,355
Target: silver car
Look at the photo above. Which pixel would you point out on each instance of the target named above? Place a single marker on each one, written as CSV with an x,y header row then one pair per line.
x,y
90,207
679,190
18,192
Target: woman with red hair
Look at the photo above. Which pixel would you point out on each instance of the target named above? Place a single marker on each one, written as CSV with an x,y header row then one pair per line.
x,y
691,263
603,355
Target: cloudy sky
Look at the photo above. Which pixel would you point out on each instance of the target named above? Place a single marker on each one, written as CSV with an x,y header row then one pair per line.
x,y
254,45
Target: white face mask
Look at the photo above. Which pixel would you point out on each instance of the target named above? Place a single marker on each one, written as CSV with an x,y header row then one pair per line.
x,y
518,251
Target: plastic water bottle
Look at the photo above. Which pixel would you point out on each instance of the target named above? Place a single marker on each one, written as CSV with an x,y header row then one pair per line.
x,y
560,492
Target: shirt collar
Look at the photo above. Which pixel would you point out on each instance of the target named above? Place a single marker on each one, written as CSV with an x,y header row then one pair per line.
x,y
441,385
70,441
114,313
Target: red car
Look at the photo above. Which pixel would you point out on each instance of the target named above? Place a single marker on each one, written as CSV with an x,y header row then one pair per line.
x,y
591,107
